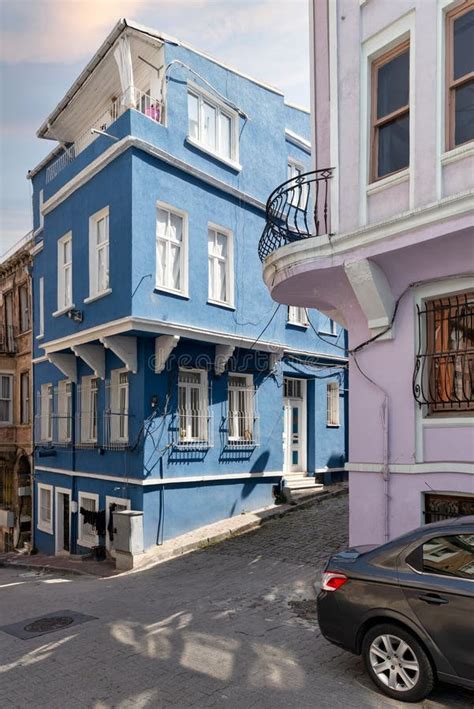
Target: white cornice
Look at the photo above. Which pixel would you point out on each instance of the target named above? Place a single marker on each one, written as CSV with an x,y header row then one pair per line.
x,y
148,482
412,468
164,327
321,247
298,140
132,142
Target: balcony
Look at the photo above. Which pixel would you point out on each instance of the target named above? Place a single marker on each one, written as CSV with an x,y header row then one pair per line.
x,y
134,99
298,209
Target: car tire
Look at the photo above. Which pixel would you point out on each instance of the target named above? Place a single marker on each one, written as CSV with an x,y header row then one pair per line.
x,y
397,663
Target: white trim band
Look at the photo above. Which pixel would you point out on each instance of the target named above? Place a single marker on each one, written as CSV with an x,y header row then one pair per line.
x,y
412,468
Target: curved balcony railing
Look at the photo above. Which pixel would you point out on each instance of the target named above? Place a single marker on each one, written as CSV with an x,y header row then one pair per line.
x,y
296,210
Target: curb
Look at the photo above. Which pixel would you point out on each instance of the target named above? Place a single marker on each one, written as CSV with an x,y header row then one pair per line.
x,y
265,516
166,555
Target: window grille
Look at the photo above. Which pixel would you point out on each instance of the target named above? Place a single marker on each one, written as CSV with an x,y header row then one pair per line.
x,y
62,416
333,404
292,388
439,507
87,414
242,418
117,415
191,426
443,376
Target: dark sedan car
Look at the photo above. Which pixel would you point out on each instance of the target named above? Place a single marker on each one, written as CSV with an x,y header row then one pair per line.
x,y
407,606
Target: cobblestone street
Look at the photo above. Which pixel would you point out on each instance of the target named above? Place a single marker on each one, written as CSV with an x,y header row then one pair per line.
x,y
232,625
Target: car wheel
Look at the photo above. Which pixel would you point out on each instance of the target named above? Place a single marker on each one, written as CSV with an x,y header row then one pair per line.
x,y
397,663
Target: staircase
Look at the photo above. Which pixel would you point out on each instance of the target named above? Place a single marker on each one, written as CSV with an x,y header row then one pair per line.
x,y
300,481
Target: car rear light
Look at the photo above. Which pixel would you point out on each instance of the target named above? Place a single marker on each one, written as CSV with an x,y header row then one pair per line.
x,y
332,581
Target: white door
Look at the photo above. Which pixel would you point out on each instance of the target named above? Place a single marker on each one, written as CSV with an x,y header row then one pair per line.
x,y
113,504
294,437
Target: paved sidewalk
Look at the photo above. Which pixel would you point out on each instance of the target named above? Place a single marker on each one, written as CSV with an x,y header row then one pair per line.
x,y
197,539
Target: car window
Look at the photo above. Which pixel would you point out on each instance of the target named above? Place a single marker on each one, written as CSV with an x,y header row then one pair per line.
x,y
449,555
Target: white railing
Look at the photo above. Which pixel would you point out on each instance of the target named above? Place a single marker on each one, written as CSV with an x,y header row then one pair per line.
x,y
136,99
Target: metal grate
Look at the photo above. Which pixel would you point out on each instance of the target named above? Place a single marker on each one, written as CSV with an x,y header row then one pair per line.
x,y
443,377
296,210
439,507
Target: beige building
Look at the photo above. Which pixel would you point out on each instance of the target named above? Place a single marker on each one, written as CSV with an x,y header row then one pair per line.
x,y
16,429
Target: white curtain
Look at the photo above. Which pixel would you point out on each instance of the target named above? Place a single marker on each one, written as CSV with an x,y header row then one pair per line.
x,y
123,57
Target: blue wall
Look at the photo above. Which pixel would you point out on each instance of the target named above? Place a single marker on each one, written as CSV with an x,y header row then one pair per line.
x,y
131,185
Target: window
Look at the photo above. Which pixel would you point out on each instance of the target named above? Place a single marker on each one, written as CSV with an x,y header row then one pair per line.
x,y
241,418
444,371
41,306
9,327
6,399
193,407
212,124
460,75
450,555
25,398
65,272
87,535
24,307
333,404
99,253
297,315
297,195
439,507
40,207
171,250
89,410
328,327
46,412
221,284
45,508
293,388
117,408
64,411
390,112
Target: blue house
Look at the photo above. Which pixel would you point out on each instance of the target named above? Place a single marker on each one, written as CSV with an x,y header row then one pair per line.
x,y
166,380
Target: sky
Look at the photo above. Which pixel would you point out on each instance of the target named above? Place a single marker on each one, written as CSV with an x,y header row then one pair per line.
x,y
44,45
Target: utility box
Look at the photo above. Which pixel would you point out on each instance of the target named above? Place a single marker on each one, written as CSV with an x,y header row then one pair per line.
x,y
7,519
128,537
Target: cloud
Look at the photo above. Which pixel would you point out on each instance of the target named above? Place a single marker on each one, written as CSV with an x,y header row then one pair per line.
x,y
58,30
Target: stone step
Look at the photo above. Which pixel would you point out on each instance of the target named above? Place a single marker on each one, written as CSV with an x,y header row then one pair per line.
x,y
301,483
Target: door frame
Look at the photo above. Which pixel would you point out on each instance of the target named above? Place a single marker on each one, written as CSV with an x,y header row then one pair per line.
x,y
58,550
117,500
304,429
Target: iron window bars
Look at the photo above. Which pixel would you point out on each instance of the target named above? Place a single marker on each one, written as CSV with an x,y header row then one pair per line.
x,y
443,375
242,418
190,426
439,507
296,210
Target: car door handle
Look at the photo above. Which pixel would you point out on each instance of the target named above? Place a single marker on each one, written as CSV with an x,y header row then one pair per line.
x,y
433,598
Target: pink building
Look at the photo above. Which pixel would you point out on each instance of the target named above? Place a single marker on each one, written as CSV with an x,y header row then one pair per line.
x,y
384,244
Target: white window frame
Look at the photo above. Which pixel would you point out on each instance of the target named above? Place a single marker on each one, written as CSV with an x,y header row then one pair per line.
x,y
9,421
119,415
248,413
25,398
185,435
64,268
45,525
87,389
293,170
46,412
40,207
97,290
333,404
41,308
64,412
92,539
295,313
331,329
183,291
221,108
229,266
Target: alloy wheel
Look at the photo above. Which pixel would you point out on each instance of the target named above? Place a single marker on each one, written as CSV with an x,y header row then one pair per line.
x,y
394,662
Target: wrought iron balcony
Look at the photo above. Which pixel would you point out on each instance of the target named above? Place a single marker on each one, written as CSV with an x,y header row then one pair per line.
x,y
298,209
